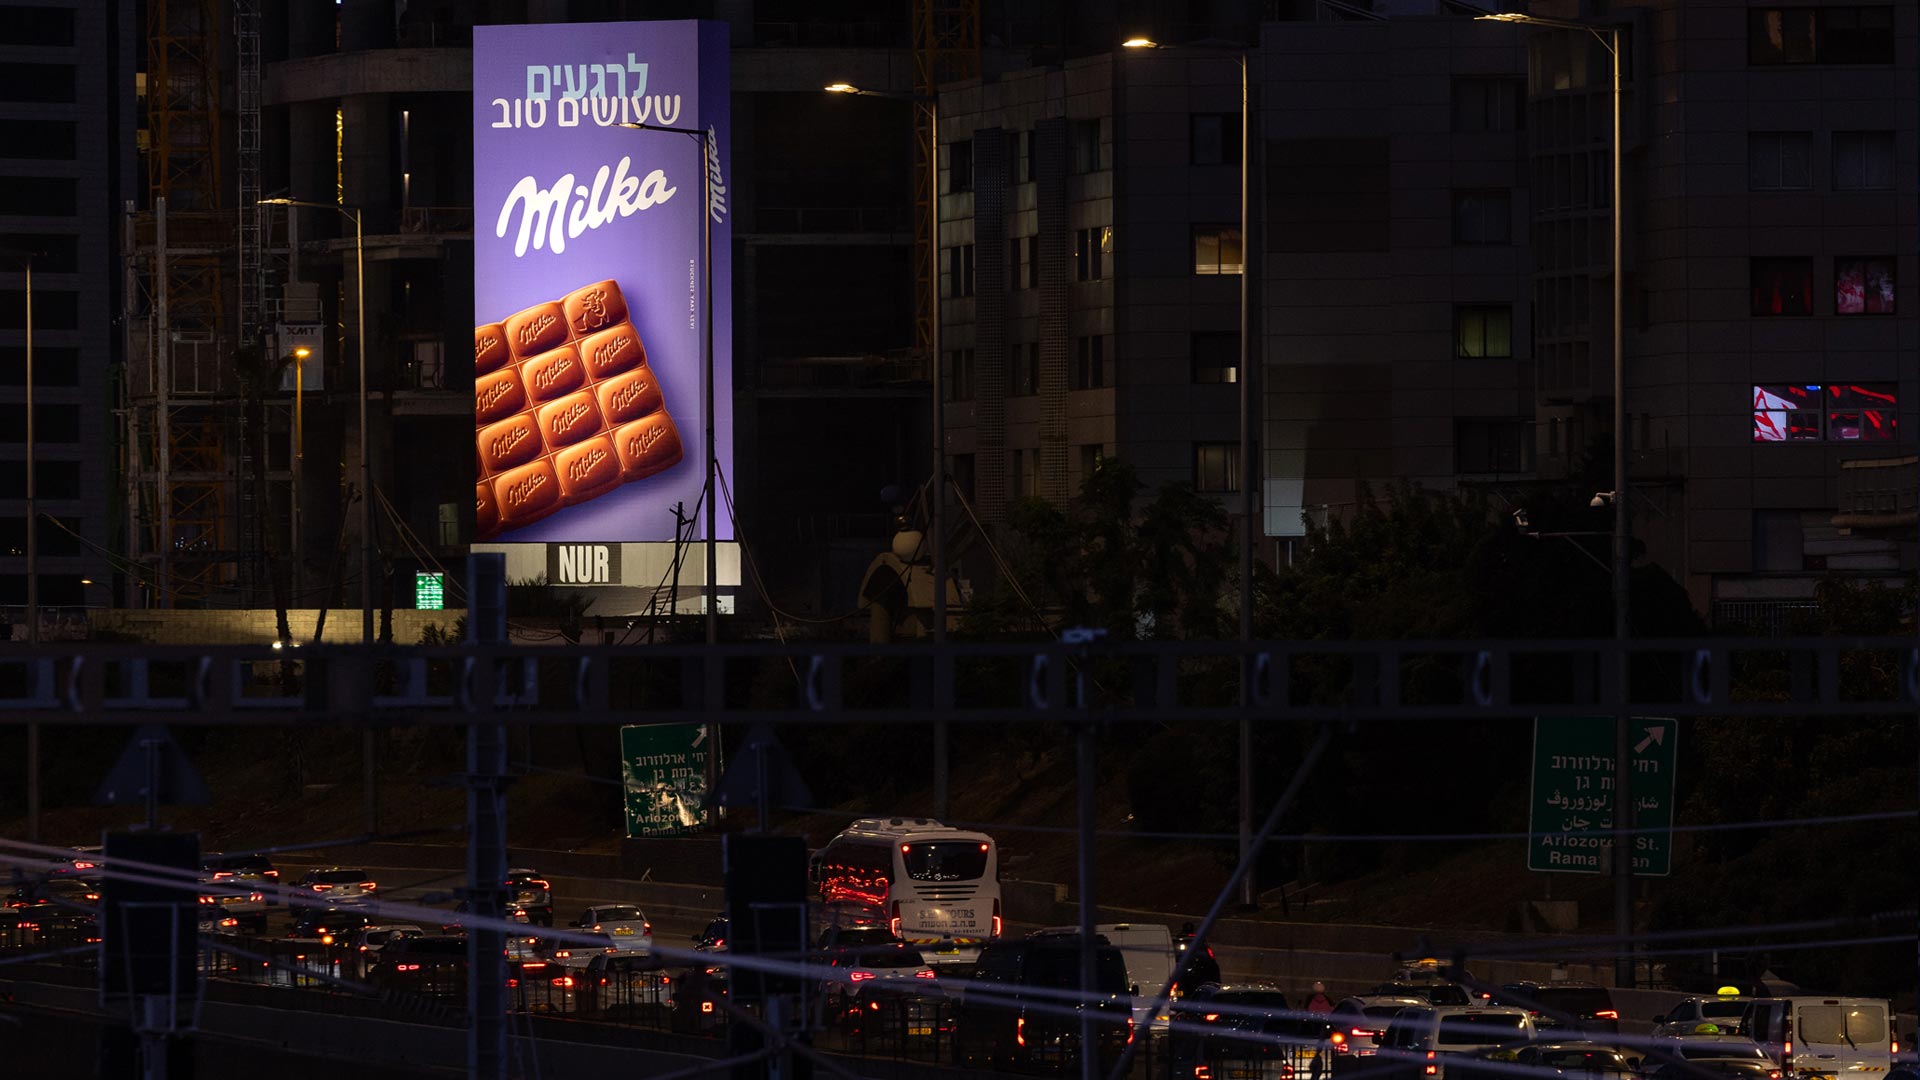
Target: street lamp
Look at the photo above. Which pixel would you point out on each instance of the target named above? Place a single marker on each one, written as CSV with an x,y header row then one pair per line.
x,y
1249,469
937,492
366,462
1609,36
300,355
710,493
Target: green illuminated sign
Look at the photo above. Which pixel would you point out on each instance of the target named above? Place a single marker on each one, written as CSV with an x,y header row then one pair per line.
x,y
429,591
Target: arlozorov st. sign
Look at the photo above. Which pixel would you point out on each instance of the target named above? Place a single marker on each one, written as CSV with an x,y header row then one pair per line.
x,y
664,770
1571,808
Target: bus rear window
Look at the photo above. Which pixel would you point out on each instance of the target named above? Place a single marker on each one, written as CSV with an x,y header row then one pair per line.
x,y
945,860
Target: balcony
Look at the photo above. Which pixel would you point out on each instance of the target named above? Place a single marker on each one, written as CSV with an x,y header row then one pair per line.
x,y
1877,497
437,221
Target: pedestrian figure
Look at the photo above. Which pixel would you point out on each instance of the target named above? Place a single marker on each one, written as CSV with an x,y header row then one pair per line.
x,y
1319,1002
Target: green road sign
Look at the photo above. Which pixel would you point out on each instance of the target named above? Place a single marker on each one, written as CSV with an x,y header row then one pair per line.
x,y
1571,807
429,591
664,768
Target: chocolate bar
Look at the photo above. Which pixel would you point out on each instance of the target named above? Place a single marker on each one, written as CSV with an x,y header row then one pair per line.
x,y
566,408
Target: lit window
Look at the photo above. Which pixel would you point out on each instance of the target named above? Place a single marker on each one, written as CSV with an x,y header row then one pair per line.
x,y
1092,249
1482,331
1782,286
1841,412
1786,413
1861,412
1216,358
1216,250
1863,286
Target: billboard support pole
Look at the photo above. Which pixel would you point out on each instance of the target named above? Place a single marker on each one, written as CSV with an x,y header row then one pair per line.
x,y
708,155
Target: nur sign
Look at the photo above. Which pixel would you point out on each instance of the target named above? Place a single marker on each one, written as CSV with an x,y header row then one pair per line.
x,y
583,564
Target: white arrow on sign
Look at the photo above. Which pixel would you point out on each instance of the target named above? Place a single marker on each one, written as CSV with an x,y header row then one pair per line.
x,y
1656,736
700,738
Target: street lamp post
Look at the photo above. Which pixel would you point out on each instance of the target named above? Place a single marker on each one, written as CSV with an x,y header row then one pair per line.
x,y
711,493
33,554
299,451
1249,478
1623,839
937,485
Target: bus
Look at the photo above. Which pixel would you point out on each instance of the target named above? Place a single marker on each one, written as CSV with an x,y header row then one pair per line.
x,y
937,887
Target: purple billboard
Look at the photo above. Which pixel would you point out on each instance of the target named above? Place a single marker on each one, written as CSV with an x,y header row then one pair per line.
x,y
590,298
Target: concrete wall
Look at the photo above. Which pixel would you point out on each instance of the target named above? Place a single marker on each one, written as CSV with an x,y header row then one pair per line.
x,y
258,626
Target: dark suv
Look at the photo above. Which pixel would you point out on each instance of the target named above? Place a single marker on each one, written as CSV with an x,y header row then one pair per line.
x,y
1011,1017
1564,1007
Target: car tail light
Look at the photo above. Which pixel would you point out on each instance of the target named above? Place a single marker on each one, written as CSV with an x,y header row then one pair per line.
x,y
256,897
406,967
1338,1038
1201,1072
82,865
1607,1014
1363,1033
326,939
369,885
862,976
893,923
513,984
206,899
565,982
321,886
1020,1030
1211,1018
269,873
927,973
218,874
229,921
1432,1069
563,954
1129,1029
706,1006
1788,1048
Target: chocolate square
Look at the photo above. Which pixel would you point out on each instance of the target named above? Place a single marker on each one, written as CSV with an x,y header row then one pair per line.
x,y
490,351
647,446
552,374
587,468
567,420
526,494
629,395
535,330
594,308
612,351
497,396
511,442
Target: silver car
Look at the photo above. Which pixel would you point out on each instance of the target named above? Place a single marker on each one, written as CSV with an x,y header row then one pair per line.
x,y
336,887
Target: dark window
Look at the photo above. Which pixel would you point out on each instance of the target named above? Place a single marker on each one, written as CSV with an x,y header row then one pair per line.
x,y
53,253
1482,217
1833,35
38,196
1216,250
53,480
1020,155
1491,446
52,310
1488,105
1090,457
1089,362
945,860
1214,138
37,83
963,474
1779,160
1863,286
960,270
39,140
51,423
24,24
53,365
1482,331
1216,466
960,165
1782,286
1023,378
1091,251
1023,254
960,375
1023,467
1863,161
1216,357
1084,146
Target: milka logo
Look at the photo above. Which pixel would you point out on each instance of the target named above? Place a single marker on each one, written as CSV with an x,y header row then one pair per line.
x,y
716,190
547,376
491,395
565,420
583,466
483,346
503,444
606,352
644,441
518,494
550,217
629,393
534,327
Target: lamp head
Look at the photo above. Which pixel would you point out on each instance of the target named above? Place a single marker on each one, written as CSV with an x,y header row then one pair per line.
x,y
1137,42
841,88
302,352
275,202
1501,16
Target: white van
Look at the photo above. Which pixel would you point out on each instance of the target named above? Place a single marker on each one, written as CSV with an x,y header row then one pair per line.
x,y
1823,1038
1420,1040
1149,953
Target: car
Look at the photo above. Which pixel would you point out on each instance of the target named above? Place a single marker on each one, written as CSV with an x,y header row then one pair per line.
x,y
1243,1031
713,938
434,966
1716,1052
1714,1068
541,986
626,924
854,981
1422,1040
329,926
1201,970
698,1005
531,896
511,913
255,870
66,892
1358,1023
620,985
574,953
856,936
1563,1007
1431,993
1007,1019
233,904
335,887
1721,1012
84,862
1573,1060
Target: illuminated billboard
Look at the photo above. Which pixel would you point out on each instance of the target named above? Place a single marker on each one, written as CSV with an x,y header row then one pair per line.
x,y
590,297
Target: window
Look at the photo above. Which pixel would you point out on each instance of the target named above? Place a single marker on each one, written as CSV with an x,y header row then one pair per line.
x,y
1216,250
21,24
1091,455
1216,466
1091,251
1779,160
1023,378
54,253
53,365
963,474
1863,286
1861,34
51,311
1020,155
960,165
1492,446
1782,286
51,423
1863,161
53,480
1488,105
1482,331
960,270
1084,146
47,196
1214,138
1809,412
1089,362
1482,217
1023,254
1216,358
41,140
1023,472
36,83
960,375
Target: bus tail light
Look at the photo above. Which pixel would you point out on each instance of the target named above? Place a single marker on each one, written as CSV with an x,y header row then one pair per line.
x,y
998,925
893,923
1020,1030
1129,1029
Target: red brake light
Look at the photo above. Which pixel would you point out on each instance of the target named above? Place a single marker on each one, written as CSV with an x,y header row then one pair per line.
x,y
1129,1026
983,847
406,967
1211,1017
564,981
1020,1030
513,984
218,874
1201,1072
646,928
927,973
904,848
321,886
82,865
369,885
862,976
270,873
256,897
997,924
1607,1014
893,924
